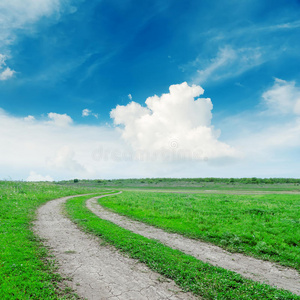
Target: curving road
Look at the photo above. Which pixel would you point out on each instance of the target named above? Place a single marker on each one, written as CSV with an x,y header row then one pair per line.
x,y
249,267
98,271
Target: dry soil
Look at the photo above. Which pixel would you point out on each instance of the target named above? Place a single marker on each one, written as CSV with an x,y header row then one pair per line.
x,y
98,271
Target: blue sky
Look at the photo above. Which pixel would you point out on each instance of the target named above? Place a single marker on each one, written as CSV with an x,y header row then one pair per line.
x,y
69,71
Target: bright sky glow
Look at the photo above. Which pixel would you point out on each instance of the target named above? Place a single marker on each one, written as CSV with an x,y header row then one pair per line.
x,y
118,89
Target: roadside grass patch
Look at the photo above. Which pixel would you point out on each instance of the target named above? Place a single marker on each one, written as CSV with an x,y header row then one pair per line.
x,y
191,274
26,272
263,226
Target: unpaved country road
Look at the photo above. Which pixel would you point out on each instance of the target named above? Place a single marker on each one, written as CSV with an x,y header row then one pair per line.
x,y
98,271
255,269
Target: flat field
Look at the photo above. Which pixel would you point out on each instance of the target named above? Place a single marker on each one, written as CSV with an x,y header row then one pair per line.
x,y
203,279
195,184
264,226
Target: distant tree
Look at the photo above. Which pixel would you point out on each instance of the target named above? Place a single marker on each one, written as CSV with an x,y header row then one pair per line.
x,y
254,180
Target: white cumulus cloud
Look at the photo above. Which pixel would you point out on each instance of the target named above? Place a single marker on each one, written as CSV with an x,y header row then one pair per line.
x,y
57,147
177,121
282,98
6,74
33,176
173,122
61,120
29,118
87,112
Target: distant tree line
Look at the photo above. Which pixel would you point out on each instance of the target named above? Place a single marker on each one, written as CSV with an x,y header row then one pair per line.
x,y
189,181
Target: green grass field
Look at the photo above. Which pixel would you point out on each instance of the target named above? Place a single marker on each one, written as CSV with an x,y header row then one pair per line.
x,y
191,274
25,273
264,226
194,184
261,225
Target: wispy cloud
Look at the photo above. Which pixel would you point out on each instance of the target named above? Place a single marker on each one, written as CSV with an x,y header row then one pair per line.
x,y
225,57
18,16
236,47
227,63
22,14
246,33
279,26
5,72
274,126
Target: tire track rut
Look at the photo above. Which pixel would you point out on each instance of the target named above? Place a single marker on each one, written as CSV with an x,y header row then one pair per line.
x,y
249,267
98,271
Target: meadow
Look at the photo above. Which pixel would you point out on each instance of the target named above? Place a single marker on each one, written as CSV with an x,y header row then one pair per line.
x,y
26,271
264,226
193,184
191,274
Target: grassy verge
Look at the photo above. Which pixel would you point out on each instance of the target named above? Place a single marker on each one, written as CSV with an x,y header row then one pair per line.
x,y
25,272
264,226
191,274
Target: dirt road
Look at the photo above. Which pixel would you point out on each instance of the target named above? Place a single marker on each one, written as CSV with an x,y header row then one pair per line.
x,y
255,269
98,271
